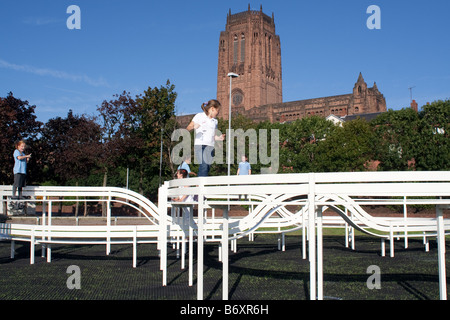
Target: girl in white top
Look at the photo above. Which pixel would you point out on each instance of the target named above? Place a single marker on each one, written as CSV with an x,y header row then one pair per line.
x,y
205,125
182,174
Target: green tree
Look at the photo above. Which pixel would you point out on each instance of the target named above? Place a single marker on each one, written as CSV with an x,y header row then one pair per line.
x,y
300,141
395,139
18,122
434,143
239,125
348,148
119,138
156,119
71,147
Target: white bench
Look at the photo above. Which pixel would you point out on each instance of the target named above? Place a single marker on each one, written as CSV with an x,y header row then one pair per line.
x,y
56,234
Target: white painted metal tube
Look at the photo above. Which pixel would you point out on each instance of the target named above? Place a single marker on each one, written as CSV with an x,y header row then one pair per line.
x,y
225,249
441,253
319,255
312,238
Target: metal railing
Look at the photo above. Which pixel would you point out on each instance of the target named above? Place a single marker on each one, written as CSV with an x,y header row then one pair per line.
x,y
270,196
278,203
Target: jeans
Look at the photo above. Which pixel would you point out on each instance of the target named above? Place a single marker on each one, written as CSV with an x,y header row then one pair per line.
x,y
204,156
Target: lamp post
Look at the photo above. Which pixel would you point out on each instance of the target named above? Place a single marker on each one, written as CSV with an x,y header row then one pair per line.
x,y
231,75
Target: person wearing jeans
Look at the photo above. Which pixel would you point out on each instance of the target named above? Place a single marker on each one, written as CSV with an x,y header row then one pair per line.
x,y
205,125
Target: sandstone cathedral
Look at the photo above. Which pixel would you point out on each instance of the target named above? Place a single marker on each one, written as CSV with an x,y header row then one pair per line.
x,y
250,48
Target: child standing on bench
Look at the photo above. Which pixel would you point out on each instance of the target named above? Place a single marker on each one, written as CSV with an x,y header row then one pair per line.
x,y
20,167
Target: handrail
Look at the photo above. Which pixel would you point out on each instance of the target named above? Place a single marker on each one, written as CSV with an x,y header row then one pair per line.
x,y
142,204
331,189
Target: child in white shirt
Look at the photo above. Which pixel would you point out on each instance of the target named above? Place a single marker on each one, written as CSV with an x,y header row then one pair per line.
x,y
205,125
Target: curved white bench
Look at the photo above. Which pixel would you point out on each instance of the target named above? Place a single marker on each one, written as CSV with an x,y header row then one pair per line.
x,y
105,235
268,198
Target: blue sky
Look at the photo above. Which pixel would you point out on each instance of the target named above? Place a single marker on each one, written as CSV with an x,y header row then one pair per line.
x,y
132,45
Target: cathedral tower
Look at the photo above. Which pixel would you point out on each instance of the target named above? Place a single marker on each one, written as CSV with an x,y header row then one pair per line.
x,y
365,99
250,48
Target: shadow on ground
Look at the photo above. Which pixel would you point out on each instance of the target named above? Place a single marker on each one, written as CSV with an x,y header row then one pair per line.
x,y
258,271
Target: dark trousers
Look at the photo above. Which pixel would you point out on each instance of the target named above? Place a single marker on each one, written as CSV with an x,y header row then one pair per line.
x,y
19,183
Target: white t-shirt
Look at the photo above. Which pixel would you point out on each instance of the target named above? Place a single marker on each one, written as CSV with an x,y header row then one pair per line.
x,y
205,134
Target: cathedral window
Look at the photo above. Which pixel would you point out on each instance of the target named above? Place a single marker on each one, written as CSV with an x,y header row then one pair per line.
x,y
235,49
242,48
237,97
269,51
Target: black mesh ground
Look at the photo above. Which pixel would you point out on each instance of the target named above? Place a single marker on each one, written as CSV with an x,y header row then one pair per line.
x,y
258,272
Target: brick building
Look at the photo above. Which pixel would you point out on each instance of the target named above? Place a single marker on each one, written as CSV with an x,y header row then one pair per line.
x,y
250,48
362,101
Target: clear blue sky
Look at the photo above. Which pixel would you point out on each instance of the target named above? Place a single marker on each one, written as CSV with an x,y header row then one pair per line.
x,y
131,45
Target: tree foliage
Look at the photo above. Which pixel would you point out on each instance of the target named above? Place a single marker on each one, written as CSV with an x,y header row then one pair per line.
x,y
17,122
302,142
70,148
395,139
347,149
128,133
433,151
156,118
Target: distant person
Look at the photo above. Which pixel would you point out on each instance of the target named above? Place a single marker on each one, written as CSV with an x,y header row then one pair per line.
x,y
182,174
205,125
20,167
244,167
185,165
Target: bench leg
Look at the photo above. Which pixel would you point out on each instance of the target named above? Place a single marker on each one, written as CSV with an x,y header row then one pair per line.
x,y
32,249
134,247
49,252
13,248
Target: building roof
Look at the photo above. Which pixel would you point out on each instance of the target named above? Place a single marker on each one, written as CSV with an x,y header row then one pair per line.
x,y
335,119
366,116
